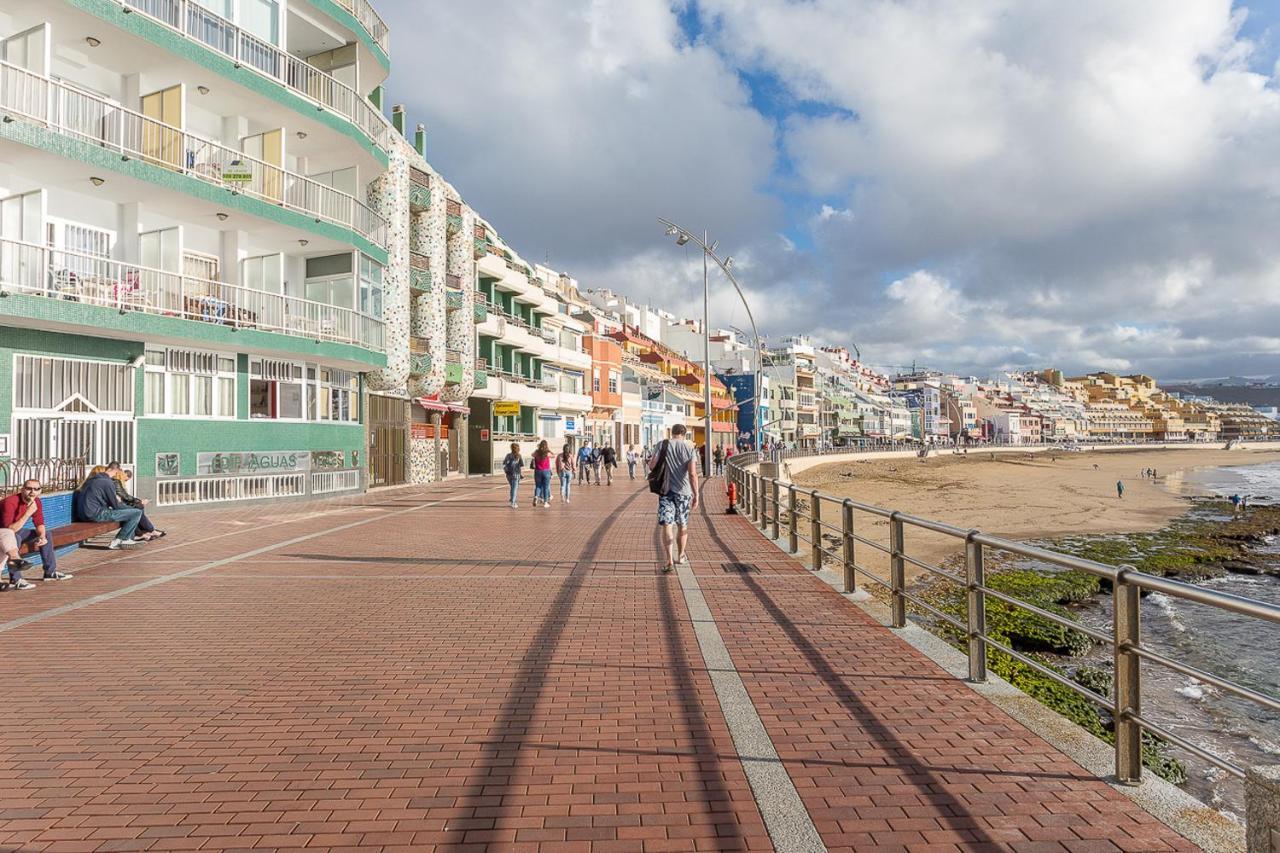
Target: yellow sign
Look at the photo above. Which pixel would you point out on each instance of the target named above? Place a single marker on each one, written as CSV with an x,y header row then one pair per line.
x,y
505,408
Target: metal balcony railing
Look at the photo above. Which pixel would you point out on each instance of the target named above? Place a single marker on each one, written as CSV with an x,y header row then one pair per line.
x,y
78,277
97,121
370,20
199,24
818,519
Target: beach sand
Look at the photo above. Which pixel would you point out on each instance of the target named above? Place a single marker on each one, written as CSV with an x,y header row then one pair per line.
x,y
1019,495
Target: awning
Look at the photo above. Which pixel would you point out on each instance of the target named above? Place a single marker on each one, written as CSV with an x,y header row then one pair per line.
x,y
722,403
721,426
600,415
442,406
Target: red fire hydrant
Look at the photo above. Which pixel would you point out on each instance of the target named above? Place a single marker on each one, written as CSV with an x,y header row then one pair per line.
x,y
733,499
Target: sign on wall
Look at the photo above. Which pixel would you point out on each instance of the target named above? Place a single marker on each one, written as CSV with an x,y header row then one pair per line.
x,y
267,462
328,460
506,408
570,425
168,464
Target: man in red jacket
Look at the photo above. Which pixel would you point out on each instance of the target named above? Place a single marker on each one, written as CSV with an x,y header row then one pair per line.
x,y
15,511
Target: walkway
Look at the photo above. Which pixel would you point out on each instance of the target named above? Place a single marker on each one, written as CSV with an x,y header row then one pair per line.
x,y
427,667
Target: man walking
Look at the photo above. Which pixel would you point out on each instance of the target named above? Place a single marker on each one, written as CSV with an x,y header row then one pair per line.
x,y
1120,489
15,511
631,460
679,493
584,462
610,459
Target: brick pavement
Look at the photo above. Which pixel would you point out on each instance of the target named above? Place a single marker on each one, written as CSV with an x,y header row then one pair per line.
x,y
447,672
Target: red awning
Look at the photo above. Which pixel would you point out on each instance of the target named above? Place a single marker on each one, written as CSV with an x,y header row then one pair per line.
x,y
441,406
721,426
722,403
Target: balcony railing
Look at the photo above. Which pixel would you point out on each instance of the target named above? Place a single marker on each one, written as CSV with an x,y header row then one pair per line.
x,y
199,24
370,20
97,121
78,277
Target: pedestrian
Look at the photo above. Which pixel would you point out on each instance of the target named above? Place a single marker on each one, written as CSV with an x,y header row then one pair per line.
x,y
541,465
674,475
632,459
513,467
1120,489
609,457
596,459
1244,502
584,463
564,468
1235,504
1155,475
16,511
718,458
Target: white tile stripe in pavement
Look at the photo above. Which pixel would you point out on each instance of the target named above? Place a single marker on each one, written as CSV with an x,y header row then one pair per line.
x,y
785,817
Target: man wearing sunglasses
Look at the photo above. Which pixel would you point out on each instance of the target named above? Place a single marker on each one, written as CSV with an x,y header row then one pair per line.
x,y
15,511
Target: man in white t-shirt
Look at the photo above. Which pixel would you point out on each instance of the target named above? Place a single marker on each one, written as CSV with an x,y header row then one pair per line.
x,y
680,495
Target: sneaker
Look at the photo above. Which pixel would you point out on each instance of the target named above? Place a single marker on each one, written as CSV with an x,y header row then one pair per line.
x,y
546,504
683,561
58,576
23,585
514,504
123,543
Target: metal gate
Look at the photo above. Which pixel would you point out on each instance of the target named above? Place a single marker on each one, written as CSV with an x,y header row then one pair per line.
x,y
388,441
94,438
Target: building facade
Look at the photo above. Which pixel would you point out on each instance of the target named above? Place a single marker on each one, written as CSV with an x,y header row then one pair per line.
x,y
193,266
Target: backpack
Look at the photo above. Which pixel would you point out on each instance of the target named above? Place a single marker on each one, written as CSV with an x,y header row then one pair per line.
x,y
658,475
511,467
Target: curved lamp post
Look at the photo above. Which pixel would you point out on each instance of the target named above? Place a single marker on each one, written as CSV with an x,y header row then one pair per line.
x,y
684,236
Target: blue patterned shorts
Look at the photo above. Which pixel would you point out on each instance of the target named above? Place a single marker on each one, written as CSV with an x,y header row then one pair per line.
x,y
673,508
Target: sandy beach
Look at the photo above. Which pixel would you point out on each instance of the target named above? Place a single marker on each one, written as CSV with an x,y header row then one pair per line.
x,y
1022,495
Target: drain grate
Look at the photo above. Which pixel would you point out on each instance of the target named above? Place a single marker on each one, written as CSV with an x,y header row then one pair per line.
x,y
739,567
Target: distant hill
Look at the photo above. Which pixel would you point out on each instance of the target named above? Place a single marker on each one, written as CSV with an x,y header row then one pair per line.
x,y
1223,393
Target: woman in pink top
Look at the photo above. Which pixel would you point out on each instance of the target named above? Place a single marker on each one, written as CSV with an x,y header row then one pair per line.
x,y
541,465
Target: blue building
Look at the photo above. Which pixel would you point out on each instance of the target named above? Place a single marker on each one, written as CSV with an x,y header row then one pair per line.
x,y
743,388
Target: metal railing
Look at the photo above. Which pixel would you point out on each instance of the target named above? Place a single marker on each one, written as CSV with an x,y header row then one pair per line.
x,y
198,23
55,475
370,20
765,499
78,277
97,121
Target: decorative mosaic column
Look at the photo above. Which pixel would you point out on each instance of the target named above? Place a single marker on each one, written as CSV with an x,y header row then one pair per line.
x,y
389,196
460,324
428,321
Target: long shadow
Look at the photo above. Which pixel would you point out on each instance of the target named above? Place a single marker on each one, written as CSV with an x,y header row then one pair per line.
x,y
695,722
952,810
433,561
510,729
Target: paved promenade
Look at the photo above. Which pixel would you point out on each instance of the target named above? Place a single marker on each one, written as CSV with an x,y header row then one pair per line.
x,y
426,668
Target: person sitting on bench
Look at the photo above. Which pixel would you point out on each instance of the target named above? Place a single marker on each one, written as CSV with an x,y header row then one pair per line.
x,y
97,502
122,478
15,511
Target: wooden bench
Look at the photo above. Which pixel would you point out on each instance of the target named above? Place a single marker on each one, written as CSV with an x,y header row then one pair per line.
x,y
92,534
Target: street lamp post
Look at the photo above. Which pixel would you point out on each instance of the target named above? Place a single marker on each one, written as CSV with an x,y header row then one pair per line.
x,y
684,236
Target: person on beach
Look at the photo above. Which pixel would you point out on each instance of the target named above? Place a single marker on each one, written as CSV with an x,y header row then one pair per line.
x,y
679,493
541,465
564,469
513,467
1235,504
632,459
1119,488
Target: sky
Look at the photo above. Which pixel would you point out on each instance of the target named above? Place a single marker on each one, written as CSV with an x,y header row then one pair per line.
x,y
965,185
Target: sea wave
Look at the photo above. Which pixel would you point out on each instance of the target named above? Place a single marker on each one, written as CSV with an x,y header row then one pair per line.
x,y
1166,606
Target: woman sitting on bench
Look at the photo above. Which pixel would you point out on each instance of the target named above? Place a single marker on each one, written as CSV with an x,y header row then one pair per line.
x,y
148,530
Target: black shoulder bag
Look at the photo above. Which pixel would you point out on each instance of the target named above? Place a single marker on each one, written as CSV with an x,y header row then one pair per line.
x,y
658,474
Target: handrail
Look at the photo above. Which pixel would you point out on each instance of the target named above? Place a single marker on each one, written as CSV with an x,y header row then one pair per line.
x,y
198,23
762,499
372,22
98,121
79,277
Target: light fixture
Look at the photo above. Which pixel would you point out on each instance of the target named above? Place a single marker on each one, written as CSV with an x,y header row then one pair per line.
x,y
137,361
671,230
303,243
97,182
728,264
682,239
204,90
222,217
8,118
91,41
302,134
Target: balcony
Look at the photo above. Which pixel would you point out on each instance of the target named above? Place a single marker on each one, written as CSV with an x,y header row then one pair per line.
x,y
129,288
454,300
453,367
482,375
101,123
480,249
419,190
370,20
195,22
453,218
481,311
419,280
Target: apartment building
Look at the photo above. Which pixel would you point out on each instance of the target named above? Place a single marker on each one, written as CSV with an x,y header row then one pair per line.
x,y
193,267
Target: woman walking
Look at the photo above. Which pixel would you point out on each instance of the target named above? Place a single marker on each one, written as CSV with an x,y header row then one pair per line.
x,y
564,469
541,465
513,467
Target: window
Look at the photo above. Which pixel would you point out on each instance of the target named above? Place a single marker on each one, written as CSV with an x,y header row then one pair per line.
x,y
330,281
595,382
189,383
614,379
282,390
335,393
370,288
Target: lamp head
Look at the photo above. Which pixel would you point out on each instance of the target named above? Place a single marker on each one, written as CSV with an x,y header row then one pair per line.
x,y
671,230
728,262
682,239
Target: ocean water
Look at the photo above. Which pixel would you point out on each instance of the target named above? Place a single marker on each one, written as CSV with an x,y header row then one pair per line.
x,y
1237,648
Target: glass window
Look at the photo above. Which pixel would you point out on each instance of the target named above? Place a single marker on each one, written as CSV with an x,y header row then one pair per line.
x,y
291,400
227,396
262,18
370,287
155,393
179,394
183,382
202,395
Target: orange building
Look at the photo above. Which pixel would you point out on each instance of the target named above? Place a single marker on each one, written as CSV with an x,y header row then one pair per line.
x,y
604,421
